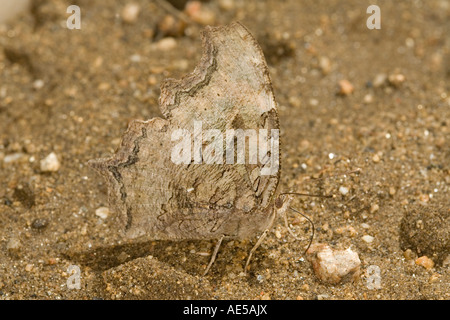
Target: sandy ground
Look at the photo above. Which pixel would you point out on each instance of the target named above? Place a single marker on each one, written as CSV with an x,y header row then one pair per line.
x,y
72,92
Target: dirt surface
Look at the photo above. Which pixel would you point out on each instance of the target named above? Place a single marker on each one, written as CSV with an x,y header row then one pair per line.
x,y
72,92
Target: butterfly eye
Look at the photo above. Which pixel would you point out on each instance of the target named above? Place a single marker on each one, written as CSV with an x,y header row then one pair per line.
x,y
278,202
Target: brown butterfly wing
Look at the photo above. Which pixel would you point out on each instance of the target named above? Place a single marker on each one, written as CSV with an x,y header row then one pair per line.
x,y
159,199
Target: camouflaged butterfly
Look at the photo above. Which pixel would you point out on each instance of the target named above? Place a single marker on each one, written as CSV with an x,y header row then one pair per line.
x,y
188,176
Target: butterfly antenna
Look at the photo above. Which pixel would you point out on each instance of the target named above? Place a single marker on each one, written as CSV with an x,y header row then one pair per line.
x,y
292,233
307,194
303,215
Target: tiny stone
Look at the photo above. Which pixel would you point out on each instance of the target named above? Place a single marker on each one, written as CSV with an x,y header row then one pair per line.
x,y
278,234
368,98
425,262
313,102
379,80
334,266
265,296
434,277
102,212
10,158
29,267
39,223
368,239
166,44
38,84
365,225
199,13
325,65
376,158
396,79
424,197
130,13
343,190
50,163
374,208
409,255
227,4
392,191
135,58
345,87
446,261
169,26
152,80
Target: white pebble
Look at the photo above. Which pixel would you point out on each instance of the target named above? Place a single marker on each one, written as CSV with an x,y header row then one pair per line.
x,y
130,12
50,163
13,157
333,266
102,212
368,239
343,190
38,84
166,44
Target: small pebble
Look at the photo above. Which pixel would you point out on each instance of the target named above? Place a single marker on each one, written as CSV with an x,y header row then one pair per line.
x,y
325,65
130,13
260,278
166,44
396,79
425,262
38,84
102,212
11,158
334,266
50,163
343,190
368,98
29,267
313,102
368,239
135,58
226,5
446,261
345,87
392,191
39,223
376,158
434,277
374,208
169,26
265,296
379,80
409,255
200,13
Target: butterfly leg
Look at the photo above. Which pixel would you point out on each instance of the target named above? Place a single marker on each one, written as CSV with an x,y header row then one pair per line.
x,y
260,240
258,243
213,258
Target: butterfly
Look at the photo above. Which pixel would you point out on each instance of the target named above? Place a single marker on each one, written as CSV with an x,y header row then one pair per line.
x,y
210,168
